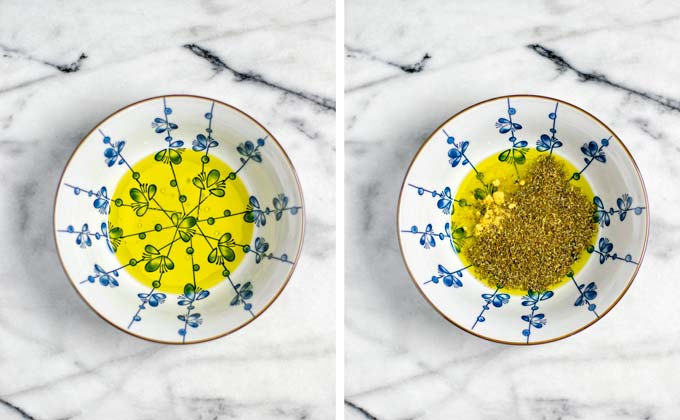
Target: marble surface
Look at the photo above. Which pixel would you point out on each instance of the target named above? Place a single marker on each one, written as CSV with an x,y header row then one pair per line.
x,y
411,65
64,68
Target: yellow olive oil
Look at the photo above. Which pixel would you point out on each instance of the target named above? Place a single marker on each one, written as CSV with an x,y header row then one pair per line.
x,y
167,218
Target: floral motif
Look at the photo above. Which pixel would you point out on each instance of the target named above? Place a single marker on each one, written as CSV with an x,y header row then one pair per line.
x,y
224,251
243,294
255,214
427,237
549,142
625,204
446,200
143,198
494,299
593,152
516,154
153,299
249,151
114,152
202,142
533,319
448,278
172,153
587,294
84,235
105,278
191,295
605,247
210,182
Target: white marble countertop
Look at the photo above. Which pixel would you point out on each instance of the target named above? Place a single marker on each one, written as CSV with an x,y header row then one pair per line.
x,y
411,65
66,67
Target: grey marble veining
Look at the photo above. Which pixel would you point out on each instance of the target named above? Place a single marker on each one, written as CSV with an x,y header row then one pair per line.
x,y
66,67
410,66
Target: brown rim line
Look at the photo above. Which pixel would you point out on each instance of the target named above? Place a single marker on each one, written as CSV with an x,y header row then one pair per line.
x,y
302,215
644,245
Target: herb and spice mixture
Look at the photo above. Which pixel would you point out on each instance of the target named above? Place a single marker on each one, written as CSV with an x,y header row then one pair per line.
x,y
525,228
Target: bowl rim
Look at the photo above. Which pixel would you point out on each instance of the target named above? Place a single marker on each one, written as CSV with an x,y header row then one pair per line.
x,y
644,244
302,215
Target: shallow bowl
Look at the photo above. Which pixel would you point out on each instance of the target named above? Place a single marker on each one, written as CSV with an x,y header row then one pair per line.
x,y
224,261
550,126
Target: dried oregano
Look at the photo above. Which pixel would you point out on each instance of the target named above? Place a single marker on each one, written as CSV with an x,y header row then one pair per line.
x,y
528,239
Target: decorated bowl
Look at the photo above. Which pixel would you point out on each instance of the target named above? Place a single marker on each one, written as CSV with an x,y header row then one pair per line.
x,y
507,129
179,219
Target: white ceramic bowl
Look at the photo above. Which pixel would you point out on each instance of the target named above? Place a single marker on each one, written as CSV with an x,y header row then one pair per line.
x,y
273,211
480,131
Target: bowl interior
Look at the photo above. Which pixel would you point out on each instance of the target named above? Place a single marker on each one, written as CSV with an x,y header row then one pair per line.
x,y
266,173
537,317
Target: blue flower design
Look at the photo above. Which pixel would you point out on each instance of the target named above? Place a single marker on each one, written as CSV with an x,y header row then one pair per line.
x,y
445,202
588,293
592,150
600,215
249,151
106,278
457,153
161,125
449,278
495,299
505,125
193,320
203,143
516,154
172,153
593,153
549,142
254,213
113,153
625,204
427,237
191,294
280,202
153,298
101,203
534,319
83,239
605,248
243,294
84,235
261,247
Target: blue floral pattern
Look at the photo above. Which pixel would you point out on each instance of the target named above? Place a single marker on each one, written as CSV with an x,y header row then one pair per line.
x,y
445,202
534,319
604,250
549,142
191,295
516,154
625,204
105,278
494,299
593,153
448,278
587,294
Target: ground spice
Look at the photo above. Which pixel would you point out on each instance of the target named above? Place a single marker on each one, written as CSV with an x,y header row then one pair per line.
x,y
529,238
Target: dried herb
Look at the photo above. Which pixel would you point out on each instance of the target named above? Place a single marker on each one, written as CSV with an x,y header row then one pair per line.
x,y
528,239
